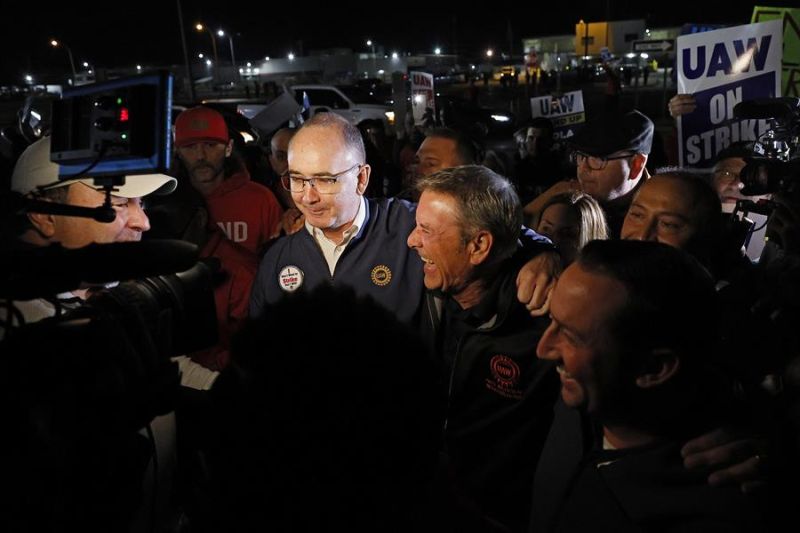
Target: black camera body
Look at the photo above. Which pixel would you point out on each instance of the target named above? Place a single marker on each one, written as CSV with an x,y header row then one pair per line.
x,y
775,164
83,379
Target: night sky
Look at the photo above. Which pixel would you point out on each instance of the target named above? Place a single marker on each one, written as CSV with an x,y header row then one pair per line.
x,y
123,33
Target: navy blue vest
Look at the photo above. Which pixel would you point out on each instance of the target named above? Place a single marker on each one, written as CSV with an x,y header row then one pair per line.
x,y
376,263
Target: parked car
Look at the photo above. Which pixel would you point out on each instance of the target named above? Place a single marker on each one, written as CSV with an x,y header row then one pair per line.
x,y
460,114
349,101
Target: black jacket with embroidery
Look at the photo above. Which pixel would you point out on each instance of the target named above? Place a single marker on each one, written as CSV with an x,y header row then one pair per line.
x,y
500,394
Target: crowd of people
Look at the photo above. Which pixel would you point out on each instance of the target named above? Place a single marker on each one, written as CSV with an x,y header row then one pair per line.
x,y
557,340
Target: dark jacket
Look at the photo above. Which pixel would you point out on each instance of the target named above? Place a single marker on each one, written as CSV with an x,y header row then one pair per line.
x,y
500,397
377,263
581,487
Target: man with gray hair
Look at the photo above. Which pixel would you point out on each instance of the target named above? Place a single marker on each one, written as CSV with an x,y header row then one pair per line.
x,y
500,396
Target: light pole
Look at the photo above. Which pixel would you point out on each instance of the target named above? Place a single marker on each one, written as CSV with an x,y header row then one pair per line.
x,y
372,48
55,44
585,39
222,33
200,27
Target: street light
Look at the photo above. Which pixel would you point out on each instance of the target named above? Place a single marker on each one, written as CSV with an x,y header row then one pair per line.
x,y
221,33
89,68
55,44
200,27
437,51
372,47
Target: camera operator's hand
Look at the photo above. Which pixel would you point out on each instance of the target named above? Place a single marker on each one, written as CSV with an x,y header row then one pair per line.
x,y
783,227
681,104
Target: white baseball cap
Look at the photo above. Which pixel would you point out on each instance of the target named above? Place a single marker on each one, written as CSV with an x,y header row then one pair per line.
x,y
34,169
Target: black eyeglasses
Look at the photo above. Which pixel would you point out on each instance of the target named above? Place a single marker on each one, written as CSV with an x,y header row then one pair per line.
x,y
727,176
323,184
595,162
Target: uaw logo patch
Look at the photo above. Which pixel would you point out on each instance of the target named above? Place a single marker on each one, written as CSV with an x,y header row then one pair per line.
x,y
290,279
504,375
381,275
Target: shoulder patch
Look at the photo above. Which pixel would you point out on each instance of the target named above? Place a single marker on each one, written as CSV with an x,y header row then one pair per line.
x,y
381,275
290,278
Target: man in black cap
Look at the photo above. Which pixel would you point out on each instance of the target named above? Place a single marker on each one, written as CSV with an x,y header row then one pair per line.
x,y
610,153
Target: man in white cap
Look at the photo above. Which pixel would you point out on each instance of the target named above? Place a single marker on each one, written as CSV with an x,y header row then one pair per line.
x,y
37,177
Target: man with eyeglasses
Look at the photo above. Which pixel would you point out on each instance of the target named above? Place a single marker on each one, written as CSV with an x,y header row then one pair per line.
x,y
349,240
610,154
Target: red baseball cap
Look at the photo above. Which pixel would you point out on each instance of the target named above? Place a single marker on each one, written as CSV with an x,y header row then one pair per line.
x,y
200,124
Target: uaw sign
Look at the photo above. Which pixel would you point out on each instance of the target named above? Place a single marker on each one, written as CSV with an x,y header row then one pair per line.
x,y
565,111
422,96
722,68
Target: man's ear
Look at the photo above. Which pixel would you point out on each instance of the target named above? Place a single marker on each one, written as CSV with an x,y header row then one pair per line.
x,y
479,247
43,223
363,179
638,163
662,365
229,148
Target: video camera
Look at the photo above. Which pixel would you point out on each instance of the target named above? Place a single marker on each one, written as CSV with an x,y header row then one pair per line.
x,y
82,378
113,131
775,163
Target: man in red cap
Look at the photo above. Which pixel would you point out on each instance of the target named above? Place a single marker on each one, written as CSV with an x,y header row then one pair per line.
x,y
246,211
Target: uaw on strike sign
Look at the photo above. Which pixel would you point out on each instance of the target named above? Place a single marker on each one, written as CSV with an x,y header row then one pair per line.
x,y
722,68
